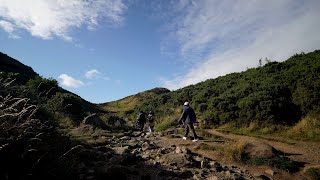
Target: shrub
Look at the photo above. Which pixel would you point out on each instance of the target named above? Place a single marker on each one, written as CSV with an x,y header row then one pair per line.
x,y
42,86
68,104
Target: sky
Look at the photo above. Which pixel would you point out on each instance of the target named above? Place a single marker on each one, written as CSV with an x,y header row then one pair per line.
x,y
104,50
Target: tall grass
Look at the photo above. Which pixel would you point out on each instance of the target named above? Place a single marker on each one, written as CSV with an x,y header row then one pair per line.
x,y
236,151
165,124
254,128
306,129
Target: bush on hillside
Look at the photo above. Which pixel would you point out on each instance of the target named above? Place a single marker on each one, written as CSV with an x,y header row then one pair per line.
x,y
68,104
40,86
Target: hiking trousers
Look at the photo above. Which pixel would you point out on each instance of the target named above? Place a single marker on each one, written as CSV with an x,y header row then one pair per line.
x,y
141,126
190,127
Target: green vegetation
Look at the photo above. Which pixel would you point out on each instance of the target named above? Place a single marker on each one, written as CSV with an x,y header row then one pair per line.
x,y
279,162
307,129
274,94
165,124
204,146
313,173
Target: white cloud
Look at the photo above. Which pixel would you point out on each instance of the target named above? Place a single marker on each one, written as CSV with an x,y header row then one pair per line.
x,y
6,26
56,18
95,74
92,74
69,81
9,28
221,37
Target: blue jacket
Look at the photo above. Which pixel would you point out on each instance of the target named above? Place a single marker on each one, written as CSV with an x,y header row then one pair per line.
x,y
188,115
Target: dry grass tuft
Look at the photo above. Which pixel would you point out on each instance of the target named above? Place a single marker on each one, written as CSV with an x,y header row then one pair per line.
x,y
236,151
307,129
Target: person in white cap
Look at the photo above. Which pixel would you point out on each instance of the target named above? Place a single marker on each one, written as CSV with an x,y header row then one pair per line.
x,y
188,117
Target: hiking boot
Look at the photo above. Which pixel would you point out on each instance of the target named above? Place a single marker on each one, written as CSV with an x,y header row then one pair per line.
x,y
195,140
184,138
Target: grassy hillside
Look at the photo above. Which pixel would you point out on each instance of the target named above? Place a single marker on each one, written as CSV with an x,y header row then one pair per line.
x,y
273,93
128,105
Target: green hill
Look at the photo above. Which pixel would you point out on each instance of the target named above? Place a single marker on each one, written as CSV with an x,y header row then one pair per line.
x,y
24,82
275,93
128,105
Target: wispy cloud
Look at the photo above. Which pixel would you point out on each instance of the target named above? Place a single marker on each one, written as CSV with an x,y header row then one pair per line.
x,y
69,81
9,28
220,37
96,74
56,18
92,74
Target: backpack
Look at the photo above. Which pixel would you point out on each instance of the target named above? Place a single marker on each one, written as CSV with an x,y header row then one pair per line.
x,y
150,118
141,118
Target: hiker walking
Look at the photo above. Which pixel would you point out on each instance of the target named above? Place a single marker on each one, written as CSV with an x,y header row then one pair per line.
x,y
188,117
141,120
151,122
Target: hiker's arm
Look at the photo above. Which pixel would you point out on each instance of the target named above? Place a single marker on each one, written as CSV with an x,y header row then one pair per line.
x,y
182,117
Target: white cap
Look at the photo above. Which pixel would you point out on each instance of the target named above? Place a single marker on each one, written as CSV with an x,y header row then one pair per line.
x,y
186,104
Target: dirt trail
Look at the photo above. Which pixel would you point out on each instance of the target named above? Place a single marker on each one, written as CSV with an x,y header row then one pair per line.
x,y
300,151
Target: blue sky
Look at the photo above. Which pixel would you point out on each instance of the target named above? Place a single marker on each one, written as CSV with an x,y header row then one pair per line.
x,y
104,50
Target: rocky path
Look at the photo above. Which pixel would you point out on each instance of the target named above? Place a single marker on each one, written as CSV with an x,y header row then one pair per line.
x,y
136,155
169,161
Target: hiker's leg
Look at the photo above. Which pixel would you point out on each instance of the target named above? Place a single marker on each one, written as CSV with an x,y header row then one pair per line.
x,y
186,130
193,131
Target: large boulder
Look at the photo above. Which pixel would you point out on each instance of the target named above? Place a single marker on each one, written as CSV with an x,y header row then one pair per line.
x,y
95,121
258,149
179,160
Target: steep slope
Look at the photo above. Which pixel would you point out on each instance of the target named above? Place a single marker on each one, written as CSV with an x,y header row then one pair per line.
x,y
8,64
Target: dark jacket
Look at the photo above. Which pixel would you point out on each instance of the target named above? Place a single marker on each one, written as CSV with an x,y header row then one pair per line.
x,y
188,115
141,118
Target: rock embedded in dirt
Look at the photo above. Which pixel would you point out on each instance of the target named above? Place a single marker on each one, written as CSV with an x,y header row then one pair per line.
x,y
145,146
182,149
125,138
270,172
121,150
178,160
95,121
258,149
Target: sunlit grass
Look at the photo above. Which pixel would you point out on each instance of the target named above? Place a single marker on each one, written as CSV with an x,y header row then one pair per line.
x,y
306,129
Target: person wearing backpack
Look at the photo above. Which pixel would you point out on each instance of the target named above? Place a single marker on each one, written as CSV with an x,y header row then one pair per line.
x,y
188,118
141,120
151,121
